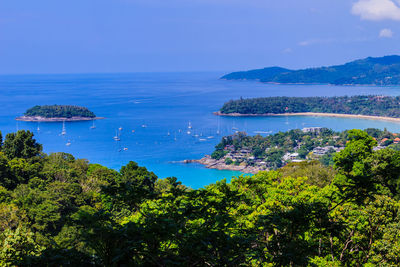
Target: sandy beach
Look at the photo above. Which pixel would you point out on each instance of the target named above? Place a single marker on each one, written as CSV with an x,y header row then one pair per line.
x,y
352,116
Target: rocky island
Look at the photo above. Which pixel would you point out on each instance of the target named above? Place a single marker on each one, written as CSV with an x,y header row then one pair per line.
x,y
251,154
55,113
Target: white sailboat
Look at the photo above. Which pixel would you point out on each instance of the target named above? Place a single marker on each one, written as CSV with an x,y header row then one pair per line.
x,y
93,126
218,130
190,125
38,128
64,130
116,137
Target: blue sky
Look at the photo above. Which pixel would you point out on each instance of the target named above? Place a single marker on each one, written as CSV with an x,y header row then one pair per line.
x,y
81,36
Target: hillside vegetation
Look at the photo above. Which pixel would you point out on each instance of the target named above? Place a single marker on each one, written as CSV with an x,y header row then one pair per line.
x,y
386,106
56,210
368,71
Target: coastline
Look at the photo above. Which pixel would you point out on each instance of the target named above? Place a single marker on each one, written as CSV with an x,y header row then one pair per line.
x,y
60,119
210,163
338,115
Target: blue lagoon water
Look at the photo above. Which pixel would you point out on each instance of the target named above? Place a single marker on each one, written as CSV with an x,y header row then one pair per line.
x,y
166,103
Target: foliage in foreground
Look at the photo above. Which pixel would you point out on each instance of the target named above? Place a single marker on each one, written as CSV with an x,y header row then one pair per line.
x,y
56,210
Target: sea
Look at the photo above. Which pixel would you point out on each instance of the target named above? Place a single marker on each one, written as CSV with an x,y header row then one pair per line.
x,y
151,114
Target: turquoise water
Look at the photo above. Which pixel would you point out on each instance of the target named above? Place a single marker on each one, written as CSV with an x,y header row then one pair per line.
x,y
165,102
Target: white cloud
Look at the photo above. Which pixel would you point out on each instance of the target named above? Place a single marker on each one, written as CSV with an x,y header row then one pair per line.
x,y
386,33
377,9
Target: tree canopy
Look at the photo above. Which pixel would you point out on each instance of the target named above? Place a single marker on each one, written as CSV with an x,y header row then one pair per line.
x,y
56,210
370,105
59,111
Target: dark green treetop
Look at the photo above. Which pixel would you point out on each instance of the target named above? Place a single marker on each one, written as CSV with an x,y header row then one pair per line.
x,y
59,111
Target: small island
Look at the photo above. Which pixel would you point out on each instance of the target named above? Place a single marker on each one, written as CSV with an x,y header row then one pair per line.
x,y
369,71
251,154
56,113
367,107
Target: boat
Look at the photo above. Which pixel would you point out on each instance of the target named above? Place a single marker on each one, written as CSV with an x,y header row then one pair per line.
x,y
63,131
188,132
218,130
116,137
125,148
38,128
202,139
120,128
93,126
210,137
168,133
68,143
190,125
144,126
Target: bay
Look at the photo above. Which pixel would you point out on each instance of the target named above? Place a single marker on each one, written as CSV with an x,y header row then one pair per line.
x,y
165,103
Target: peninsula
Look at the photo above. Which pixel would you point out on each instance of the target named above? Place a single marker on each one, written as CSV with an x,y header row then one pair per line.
x,y
369,71
251,154
367,107
55,113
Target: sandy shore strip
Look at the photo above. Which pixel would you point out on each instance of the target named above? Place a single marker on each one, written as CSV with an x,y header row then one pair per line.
x,y
43,119
351,116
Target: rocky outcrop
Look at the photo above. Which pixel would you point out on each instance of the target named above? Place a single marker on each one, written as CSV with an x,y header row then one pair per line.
x,y
220,165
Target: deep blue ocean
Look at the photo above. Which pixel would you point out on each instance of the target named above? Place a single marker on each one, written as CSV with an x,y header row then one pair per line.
x,y
165,103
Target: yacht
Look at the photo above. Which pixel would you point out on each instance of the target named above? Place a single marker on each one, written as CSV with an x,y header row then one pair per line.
x,y
116,137
68,143
63,131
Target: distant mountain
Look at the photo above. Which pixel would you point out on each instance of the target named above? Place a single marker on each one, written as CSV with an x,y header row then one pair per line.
x,y
368,71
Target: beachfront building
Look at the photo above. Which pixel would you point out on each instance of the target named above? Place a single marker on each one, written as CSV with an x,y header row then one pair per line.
x,y
311,130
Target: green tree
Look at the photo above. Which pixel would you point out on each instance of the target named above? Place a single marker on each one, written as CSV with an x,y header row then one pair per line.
x,y
18,247
354,180
21,145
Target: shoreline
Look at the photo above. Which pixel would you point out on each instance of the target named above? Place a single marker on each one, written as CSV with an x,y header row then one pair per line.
x,y
54,119
210,163
338,115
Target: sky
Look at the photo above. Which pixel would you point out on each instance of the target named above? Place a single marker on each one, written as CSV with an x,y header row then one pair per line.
x,y
101,36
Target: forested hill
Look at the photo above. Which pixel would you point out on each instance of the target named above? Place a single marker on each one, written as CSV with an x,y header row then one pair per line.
x,y
56,210
386,106
368,71
59,111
